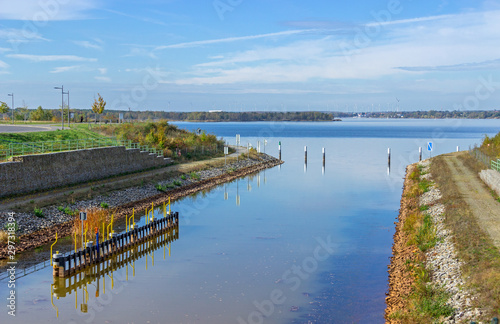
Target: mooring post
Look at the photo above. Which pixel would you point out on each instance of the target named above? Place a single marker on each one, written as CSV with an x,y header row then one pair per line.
x,y
305,154
419,154
324,156
389,156
279,151
458,148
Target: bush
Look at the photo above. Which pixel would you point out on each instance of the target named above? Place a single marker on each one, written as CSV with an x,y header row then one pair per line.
x,y
38,213
104,205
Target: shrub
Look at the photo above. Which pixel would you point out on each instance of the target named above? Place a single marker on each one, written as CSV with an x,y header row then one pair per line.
x,y
38,213
104,205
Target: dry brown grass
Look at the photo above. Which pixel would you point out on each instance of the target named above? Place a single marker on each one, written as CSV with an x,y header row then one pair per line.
x,y
475,248
4,236
96,218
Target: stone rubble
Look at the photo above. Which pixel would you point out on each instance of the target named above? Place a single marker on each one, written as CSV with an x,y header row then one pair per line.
x,y
28,222
443,261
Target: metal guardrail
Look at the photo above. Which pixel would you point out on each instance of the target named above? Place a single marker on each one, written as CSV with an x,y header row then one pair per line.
x,y
17,149
495,165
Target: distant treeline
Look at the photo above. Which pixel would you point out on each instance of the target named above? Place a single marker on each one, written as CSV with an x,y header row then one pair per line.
x,y
86,115
434,114
223,116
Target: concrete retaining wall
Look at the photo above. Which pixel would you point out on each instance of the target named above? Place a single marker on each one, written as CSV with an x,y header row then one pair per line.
x,y
44,171
492,179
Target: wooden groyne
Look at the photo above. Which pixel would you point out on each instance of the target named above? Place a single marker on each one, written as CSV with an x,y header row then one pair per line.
x,y
118,245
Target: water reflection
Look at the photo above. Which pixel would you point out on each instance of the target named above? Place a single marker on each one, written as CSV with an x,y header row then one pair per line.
x,y
91,278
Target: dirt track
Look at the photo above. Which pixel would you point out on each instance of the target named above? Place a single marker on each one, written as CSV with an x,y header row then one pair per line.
x,y
476,194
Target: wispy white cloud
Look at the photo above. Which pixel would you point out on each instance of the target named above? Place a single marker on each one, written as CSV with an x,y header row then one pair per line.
x,y
402,47
87,44
102,78
3,65
51,58
157,72
18,36
234,39
4,50
141,52
487,65
42,11
62,69
140,18
410,21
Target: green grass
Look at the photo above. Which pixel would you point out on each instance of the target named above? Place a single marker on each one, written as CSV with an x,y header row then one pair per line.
x,y
38,213
433,303
177,183
424,185
423,208
183,177
104,205
426,235
194,175
58,135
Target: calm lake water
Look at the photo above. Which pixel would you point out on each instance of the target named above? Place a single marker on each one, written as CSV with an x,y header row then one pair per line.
x,y
292,244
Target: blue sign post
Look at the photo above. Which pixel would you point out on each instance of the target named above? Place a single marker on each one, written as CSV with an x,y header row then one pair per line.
x,y
429,148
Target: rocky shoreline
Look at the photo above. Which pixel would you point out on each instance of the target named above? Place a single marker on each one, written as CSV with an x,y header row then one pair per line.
x,y
35,231
441,260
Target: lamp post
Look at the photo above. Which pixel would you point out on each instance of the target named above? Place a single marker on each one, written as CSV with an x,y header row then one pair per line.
x,y
12,95
62,104
67,92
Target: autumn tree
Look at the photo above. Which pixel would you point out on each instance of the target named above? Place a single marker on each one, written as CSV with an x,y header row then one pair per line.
x,y
3,107
98,105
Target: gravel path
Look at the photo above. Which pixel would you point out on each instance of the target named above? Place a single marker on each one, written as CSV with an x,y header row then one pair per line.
x,y
443,262
477,196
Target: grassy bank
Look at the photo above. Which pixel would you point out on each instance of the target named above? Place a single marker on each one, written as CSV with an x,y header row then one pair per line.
x,y
422,302
80,132
178,144
481,258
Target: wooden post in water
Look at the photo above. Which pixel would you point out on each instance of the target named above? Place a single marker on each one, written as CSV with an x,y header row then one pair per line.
x,y
305,154
324,156
389,156
419,154
279,151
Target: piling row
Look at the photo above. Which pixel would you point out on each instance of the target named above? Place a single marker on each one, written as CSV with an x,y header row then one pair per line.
x,y
65,285
64,266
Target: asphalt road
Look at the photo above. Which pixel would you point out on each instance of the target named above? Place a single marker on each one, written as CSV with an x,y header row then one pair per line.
x,y
4,128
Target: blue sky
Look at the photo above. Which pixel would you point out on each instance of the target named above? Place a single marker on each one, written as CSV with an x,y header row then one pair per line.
x,y
241,55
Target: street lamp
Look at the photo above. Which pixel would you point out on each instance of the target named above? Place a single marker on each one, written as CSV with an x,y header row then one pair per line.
x,y
62,105
67,92
12,95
